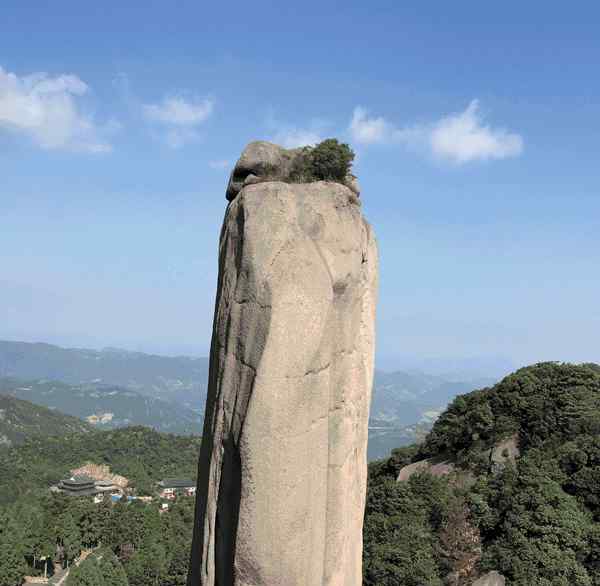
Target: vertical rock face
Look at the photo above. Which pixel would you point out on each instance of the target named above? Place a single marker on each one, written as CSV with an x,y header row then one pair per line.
x,y
282,472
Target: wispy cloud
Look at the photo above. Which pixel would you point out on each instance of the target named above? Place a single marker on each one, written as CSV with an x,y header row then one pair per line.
x,y
179,112
291,137
459,138
365,129
179,118
49,111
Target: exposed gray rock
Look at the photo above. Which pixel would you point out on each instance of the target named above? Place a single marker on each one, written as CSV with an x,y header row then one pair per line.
x,y
282,473
260,161
352,184
442,468
491,579
505,451
438,467
263,161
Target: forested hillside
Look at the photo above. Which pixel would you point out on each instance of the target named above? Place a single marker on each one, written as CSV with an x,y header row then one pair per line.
x,y
141,454
131,544
535,520
105,406
136,543
20,420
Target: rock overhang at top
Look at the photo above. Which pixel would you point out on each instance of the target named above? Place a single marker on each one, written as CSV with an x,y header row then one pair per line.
x,y
262,161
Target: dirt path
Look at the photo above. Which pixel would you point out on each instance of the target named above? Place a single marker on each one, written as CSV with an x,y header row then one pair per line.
x,y
83,556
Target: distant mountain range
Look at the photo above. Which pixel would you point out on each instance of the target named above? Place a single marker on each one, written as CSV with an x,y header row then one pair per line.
x,y
405,405
405,398
168,393
22,420
176,379
105,406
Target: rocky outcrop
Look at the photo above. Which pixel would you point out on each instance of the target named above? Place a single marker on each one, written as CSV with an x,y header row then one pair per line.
x,y
490,579
504,452
438,467
263,162
435,468
100,472
282,473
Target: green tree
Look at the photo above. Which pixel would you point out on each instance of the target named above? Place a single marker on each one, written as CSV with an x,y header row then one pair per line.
x,y
71,537
111,569
12,564
44,542
87,522
541,537
86,574
146,566
330,160
398,541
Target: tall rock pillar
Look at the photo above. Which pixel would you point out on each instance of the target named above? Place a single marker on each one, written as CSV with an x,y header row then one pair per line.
x,y
283,470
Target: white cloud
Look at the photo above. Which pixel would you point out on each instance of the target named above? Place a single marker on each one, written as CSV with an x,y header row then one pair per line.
x,y
458,138
179,118
368,130
219,164
463,137
48,111
179,112
291,138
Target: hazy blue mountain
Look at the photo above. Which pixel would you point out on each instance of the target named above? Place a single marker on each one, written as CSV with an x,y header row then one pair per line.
x,y
180,379
105,406
22,420
455,369
405,405
103,378
404,398
383,437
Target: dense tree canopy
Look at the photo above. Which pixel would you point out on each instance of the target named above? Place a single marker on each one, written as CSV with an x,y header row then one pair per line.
x,y
537,521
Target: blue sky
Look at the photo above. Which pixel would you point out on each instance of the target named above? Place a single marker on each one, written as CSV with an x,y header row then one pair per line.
x,y
476,128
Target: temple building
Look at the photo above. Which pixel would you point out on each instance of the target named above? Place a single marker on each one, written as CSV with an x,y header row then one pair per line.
x,y
78,486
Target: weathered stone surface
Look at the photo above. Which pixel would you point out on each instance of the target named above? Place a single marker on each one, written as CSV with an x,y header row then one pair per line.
x,y
282,473
490,579
352,184
438,467
263,161
442,468
260,161
505,451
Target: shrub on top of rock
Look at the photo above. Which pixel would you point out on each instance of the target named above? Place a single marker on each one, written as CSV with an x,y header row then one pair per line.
x,y
330,160
262,161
